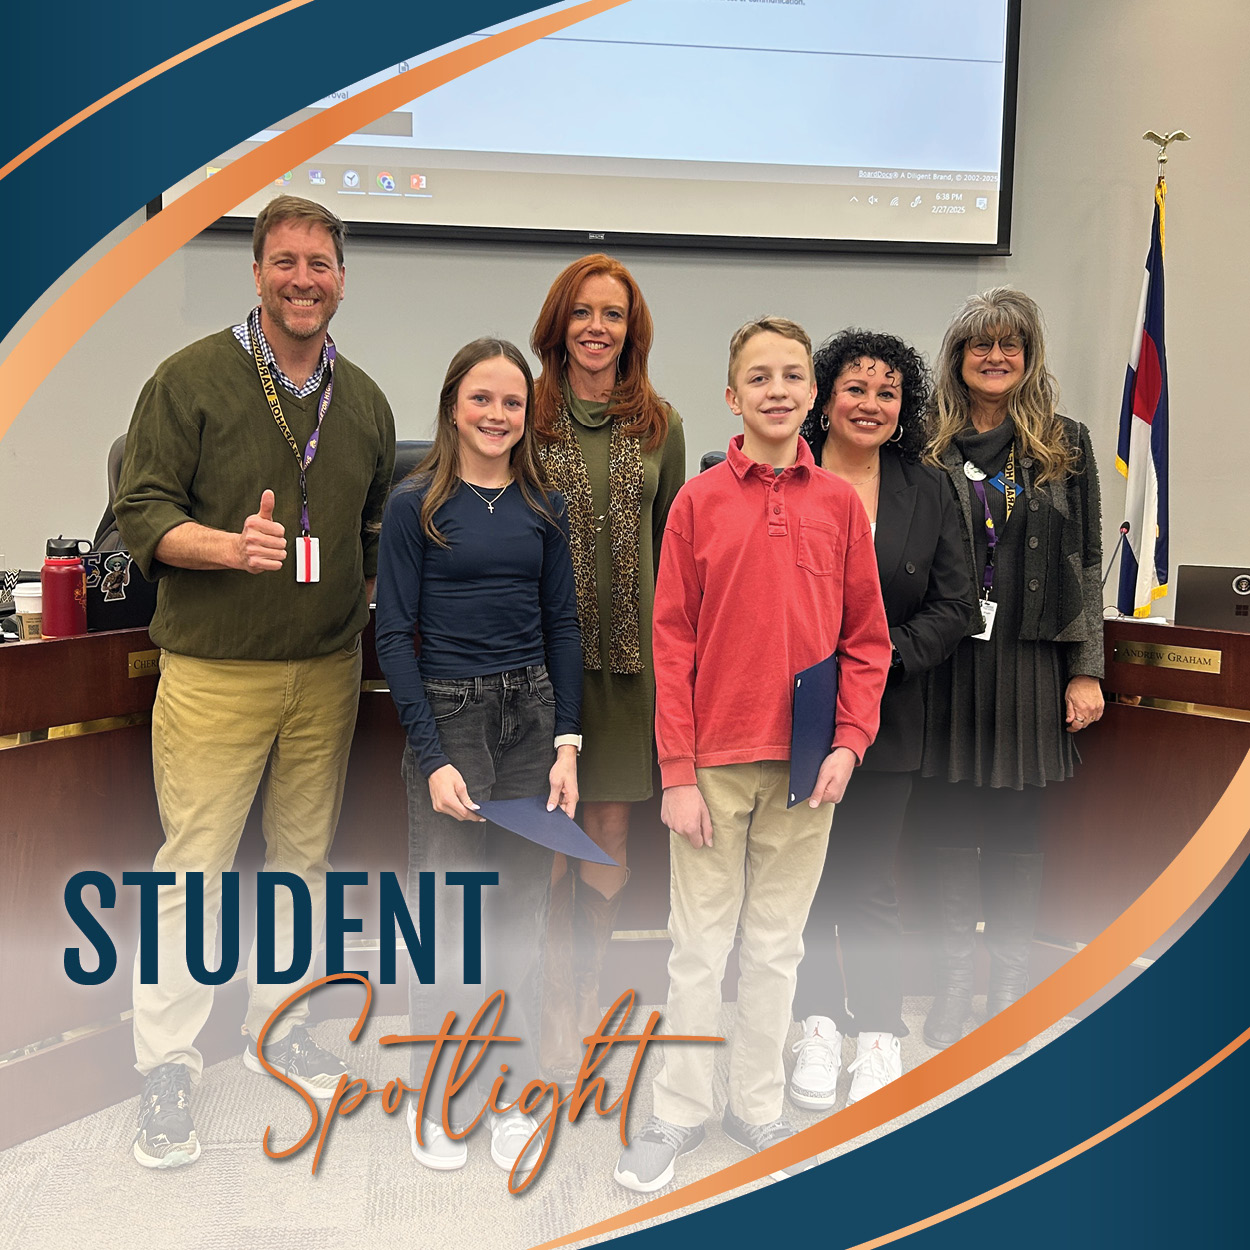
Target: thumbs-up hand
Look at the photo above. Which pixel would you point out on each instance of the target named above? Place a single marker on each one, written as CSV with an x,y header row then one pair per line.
x,y
262,544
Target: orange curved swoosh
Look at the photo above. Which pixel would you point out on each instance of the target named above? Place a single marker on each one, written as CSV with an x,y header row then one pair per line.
x,y
1042,1168
1159,906
155,72
65,322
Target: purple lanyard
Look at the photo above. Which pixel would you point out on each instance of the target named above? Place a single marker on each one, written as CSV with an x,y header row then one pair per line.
x,y
991,541
991,534
271,394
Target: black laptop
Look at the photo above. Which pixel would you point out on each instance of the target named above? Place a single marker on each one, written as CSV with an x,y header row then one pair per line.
x,y
1211,596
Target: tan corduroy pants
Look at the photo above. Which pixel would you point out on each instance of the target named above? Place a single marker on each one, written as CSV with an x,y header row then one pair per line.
x,y
220,729
759,876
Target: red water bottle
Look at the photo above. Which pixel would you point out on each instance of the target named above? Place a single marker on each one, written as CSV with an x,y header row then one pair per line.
x,y
64,581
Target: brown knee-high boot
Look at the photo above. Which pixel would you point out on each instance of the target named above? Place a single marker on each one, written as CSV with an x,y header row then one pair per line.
x,y
593,920
559,1048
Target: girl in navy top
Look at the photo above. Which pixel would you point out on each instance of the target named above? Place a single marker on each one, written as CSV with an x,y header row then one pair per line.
x,y
477,635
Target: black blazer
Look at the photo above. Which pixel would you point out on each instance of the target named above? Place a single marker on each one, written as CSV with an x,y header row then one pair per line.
x,y
928,594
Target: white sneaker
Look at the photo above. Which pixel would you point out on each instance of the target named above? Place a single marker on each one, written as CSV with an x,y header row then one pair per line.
x,y
814,1081
878,1061
436,1150
510,1134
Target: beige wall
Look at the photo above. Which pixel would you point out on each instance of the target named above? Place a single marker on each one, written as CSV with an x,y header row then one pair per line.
x,y
1093,76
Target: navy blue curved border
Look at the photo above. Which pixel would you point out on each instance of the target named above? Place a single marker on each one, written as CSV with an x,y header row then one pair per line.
x,y
58,58
1174,1178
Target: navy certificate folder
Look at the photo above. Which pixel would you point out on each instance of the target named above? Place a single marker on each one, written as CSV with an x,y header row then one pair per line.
x,y
811,731
554,830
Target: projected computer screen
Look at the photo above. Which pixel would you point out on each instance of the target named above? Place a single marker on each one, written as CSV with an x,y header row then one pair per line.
x,y
754,123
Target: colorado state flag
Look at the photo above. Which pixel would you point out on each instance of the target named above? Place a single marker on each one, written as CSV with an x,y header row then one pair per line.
x,y
1142,453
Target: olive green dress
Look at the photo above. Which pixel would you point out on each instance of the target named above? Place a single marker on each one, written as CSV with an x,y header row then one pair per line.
x,y
618,709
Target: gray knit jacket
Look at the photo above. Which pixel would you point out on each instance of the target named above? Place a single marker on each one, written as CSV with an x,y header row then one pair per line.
x,y
1063,553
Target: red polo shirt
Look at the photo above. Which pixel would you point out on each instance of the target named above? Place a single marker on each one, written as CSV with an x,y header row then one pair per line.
x,y
762,575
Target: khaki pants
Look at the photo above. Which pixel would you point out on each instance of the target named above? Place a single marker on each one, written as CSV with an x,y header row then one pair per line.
x,y
759,876
220,728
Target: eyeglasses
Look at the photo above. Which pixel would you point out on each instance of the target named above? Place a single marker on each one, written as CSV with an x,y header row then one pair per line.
x,y
1011,345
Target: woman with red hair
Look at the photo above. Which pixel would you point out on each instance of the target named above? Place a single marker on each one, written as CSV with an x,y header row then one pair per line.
x,y
616,451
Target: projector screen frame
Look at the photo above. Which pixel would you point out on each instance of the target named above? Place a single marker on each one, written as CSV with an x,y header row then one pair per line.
x,y
611,240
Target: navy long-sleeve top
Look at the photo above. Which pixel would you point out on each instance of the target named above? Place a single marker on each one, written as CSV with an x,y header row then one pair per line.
x,y
500,597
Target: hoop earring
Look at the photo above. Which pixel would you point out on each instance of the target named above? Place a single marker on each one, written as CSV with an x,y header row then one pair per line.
x,y
824,421
898,434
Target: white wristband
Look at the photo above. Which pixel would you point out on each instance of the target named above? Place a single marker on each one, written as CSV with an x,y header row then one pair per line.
x,y
569,740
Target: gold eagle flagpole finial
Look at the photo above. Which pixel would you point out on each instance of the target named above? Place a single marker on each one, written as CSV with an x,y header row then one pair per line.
x,y
1163,142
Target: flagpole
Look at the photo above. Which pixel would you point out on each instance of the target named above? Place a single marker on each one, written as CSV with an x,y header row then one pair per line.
x,y
1142,449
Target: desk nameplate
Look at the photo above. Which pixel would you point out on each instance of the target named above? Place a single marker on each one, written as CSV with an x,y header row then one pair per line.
x,y
1161,655
145,664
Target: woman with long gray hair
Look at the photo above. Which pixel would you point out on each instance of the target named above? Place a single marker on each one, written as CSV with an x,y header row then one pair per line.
x,y
1002,713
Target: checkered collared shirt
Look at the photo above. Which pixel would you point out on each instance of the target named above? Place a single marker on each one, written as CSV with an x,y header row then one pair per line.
x,y
243,333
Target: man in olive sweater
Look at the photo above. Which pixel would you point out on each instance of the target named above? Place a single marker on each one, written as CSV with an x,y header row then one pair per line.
x,y
257,465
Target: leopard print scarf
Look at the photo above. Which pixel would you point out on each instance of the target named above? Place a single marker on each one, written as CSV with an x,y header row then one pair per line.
x,y
566,469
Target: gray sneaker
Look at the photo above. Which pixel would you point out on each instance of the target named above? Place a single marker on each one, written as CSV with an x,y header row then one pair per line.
x,y
757,1137
646,1164
435,1149
300,1059
166,1136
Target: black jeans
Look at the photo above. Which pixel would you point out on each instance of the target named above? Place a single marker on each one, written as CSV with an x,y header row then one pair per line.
x,y
498,731
856,893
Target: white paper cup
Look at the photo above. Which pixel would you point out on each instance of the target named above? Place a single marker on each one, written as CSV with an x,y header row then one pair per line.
x,y
28,598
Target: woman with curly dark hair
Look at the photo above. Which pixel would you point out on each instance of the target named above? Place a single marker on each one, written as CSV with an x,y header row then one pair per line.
x,y
868,427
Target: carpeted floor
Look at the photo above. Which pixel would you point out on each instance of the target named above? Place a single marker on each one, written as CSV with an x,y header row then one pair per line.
x,y
78,1188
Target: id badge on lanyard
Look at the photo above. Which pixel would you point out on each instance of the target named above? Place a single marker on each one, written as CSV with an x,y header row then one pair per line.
x,y
307,548
989,610
307,559
977,476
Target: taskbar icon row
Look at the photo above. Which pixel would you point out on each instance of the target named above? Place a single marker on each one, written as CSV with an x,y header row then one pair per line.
x,y
352,180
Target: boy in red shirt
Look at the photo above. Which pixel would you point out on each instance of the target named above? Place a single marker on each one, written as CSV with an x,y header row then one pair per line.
x,y
767,568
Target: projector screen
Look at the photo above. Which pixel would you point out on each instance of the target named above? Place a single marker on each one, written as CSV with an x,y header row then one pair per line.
x,y
808,124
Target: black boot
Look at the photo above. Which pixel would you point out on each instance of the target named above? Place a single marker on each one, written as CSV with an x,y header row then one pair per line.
x,y
1011,887
958,896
